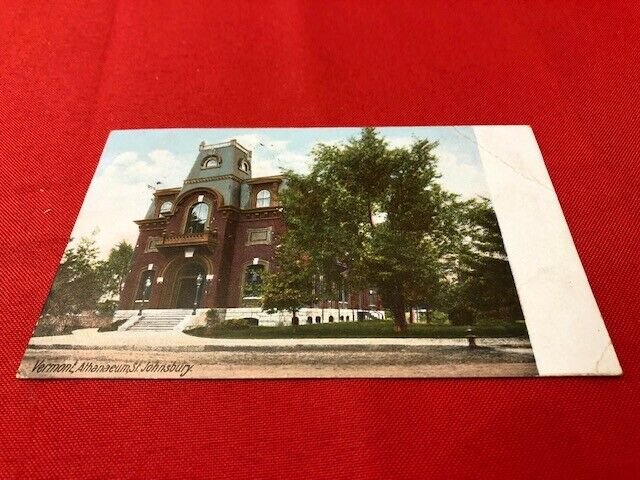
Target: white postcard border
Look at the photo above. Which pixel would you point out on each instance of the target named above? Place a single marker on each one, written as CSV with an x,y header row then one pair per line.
x,y
566,329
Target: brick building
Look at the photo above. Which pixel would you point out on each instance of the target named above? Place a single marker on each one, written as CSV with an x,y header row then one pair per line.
x,y
208,243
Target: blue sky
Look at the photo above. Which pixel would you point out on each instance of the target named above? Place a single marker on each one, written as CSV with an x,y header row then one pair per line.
x,y
133,160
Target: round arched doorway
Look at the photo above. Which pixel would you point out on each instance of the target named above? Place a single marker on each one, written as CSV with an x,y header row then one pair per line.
x,y
187,285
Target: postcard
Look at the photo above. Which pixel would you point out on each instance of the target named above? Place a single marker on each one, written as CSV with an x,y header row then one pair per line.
x,y
320,252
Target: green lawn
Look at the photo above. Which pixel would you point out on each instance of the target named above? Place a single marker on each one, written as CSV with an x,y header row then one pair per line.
x,y
360,330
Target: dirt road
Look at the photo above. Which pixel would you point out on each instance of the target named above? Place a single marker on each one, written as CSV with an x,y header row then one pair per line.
x,y
278,362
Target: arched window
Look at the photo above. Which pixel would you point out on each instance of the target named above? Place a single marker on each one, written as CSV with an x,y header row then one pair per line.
x,y
198,216
263,199
309,320
144,287
244,165
211,162
318,320
330,318
165,208
253,280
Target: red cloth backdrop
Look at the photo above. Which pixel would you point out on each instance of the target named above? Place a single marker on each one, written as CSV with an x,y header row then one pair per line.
x,y
71,72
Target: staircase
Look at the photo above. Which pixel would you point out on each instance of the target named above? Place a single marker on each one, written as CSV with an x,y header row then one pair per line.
x,y
159,320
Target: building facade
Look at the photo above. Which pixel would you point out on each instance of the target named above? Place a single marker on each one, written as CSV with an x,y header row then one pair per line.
x,y
208,243
218,230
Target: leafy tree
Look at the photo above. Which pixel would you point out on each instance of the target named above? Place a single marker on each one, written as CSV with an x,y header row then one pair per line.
x,y
291,286
116,267
485,282
368,215
79,283
83,281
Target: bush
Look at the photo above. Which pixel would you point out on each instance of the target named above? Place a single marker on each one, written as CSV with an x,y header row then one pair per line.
x,y
239,323
439,318
461,316
113,326
107,308
65,324
484,321
213,318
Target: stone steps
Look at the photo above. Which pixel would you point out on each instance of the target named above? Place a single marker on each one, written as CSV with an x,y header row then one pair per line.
x,y
159,320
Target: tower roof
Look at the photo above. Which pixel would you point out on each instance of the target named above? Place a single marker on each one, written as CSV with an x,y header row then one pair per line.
x,y
221,159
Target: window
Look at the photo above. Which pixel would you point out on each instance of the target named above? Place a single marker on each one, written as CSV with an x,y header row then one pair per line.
x,y
198,216
244,165
166,208
211,162
263,199
253,279
144,287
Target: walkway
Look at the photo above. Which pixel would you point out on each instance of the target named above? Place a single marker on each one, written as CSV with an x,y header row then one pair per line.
x,y
90,338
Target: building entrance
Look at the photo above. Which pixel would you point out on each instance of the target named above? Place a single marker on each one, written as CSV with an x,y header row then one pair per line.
x,y
187,285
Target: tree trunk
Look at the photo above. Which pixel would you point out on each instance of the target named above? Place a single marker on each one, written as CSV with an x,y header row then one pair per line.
x,y
399,319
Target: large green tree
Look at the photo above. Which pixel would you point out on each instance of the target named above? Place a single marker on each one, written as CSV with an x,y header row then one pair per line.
x,y
484,282
372,216
116,267
83,280
79,282
290,287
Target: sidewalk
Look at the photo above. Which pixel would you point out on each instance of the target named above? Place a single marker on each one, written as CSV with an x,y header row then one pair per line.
x,y
90,338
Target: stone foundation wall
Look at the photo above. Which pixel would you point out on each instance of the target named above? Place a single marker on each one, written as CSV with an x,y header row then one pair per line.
x,y
305,316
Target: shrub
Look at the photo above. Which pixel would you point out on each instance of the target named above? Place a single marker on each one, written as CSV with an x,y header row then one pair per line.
x,y
439,318
213,318
107,308
65,324
238,323
484,321
461,316
113,326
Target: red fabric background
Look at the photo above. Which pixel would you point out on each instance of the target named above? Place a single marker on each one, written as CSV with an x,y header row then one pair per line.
x,y
69,73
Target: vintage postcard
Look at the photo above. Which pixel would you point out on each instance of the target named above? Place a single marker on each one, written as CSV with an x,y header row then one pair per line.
x,y
320,252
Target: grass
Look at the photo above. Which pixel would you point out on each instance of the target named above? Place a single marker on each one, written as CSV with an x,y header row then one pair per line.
x,y
369,329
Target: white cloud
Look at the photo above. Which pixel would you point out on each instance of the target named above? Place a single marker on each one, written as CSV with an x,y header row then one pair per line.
x,y
294,161
334,141
257,142
400,142
120,194
460,177
271,156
